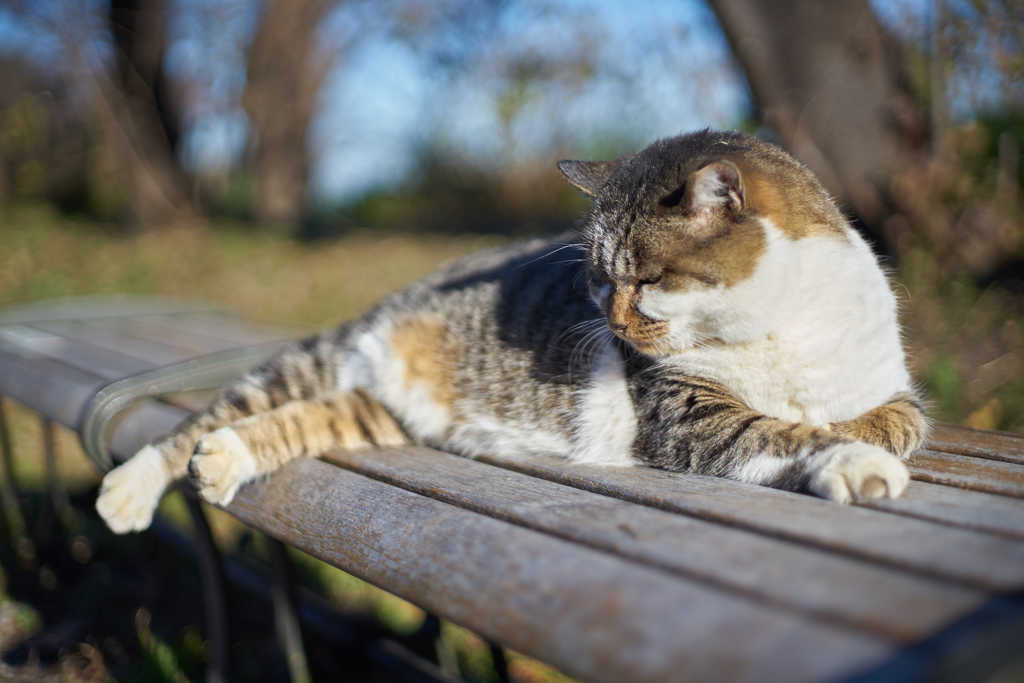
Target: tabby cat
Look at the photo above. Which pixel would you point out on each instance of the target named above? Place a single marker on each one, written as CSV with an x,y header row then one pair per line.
x,y
716,314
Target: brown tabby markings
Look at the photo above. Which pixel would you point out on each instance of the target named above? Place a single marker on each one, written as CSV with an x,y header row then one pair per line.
x,y
311,427
898,426
790,207
430,358
726,259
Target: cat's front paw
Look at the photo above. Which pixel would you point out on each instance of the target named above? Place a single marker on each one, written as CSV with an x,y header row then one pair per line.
x,y
131,491
221,463
853,472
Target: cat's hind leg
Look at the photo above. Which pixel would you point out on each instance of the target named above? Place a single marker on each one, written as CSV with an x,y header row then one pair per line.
x,y
130,492
899,426
229,457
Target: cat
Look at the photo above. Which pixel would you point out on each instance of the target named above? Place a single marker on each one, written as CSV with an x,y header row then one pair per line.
x,y
715,314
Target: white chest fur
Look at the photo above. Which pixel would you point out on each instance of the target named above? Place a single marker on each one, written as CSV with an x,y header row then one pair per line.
x,y
605,424
811,336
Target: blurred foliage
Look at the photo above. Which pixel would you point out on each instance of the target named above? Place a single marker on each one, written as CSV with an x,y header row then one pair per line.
x,y
446,197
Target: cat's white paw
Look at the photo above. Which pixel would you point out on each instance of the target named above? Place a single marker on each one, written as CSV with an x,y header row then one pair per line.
x,y
221,463
131,491
857,472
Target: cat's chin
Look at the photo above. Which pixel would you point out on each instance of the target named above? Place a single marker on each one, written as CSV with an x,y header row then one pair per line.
x,y
655,350
673,348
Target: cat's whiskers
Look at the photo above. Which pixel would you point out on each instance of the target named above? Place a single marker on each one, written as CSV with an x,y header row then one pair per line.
x,y
577,245
581,327
584,329
581,353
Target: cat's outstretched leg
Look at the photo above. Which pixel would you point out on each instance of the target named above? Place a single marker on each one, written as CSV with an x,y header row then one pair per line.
x,y
899,426
256,445
130,492
696,426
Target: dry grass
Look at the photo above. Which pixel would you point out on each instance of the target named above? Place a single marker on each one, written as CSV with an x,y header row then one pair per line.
x,y
260,273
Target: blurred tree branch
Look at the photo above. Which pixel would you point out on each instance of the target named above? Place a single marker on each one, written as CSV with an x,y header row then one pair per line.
x,y
140,110
133,104
286,69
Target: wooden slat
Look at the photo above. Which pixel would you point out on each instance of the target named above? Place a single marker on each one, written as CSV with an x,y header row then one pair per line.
x,y
442,536
229,328
906,542
80,353
596,603
93,307
101,335
913,544
186,333
983,512
977,443
978,474
53,389
882,601
588,613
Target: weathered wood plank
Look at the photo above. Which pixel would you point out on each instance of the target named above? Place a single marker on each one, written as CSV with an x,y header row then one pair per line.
x,y
963,471
867,541
229,328
977,443
92,307
674,637
765,624
55,390
925,547
883,601
983,512
188,334
586,612
908,543
130,440
102,335
77,352
134,432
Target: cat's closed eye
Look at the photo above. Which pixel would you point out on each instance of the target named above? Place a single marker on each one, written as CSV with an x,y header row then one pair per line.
x,y
683,279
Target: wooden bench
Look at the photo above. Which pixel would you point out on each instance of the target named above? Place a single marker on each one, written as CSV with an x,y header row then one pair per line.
x,y
607,574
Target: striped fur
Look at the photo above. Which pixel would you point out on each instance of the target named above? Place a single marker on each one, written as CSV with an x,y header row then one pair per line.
x,y
899,426
716,315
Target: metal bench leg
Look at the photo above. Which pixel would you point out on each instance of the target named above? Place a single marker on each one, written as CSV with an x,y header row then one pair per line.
x,y
57,505
286,621
23,546
214,594
500,662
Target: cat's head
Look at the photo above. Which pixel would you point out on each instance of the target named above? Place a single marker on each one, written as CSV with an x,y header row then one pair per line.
x,y
681,240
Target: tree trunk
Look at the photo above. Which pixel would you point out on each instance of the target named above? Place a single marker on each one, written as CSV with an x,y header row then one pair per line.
x,y
824,75
138,113
285,72
832,82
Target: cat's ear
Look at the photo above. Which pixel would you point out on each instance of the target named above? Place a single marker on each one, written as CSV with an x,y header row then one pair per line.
x,y
717,185
588,176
